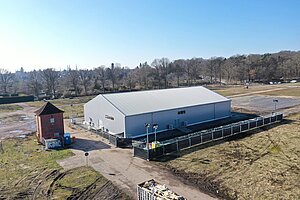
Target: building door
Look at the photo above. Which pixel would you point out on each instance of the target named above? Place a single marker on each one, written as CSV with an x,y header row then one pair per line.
x,y
100,124
177,123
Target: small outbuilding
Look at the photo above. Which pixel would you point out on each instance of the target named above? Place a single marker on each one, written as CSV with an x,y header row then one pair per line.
x,y
132,114
49,123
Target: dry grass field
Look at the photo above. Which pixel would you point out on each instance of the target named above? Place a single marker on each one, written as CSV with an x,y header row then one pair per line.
x,y
238,89
265,165
7,108
28,172
241,90
72,107
290,92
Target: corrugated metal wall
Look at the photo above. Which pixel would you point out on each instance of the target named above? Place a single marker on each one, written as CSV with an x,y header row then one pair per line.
x,y
193,115
103,113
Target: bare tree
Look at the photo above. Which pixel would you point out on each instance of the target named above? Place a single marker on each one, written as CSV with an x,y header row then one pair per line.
x,y
101,75
34,82
73,78
177,68
218,61
85,79
156,64
51,77
145,72
129,78
165,65
6,79
114,74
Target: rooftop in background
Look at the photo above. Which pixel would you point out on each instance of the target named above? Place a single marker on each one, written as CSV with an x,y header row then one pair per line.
x,y
133,103
47,109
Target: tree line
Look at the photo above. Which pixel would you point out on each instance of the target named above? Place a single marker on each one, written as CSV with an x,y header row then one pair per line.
x,y
160,73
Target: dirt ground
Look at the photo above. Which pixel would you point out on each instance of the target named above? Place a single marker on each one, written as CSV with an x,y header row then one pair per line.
x,y
120,167
17,123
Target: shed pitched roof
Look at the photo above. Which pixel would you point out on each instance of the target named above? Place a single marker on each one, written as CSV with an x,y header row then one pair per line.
x,y
47,109
133,103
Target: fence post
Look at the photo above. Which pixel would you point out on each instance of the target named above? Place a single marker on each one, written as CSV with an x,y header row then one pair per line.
x,y
201,138
231,130
148,155
177,145
1,147
190,141
222,132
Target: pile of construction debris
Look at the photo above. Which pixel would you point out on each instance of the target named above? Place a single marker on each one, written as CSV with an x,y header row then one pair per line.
x,y
151,190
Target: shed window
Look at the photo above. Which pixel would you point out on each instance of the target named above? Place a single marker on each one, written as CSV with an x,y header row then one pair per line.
x,y
52,120
181,112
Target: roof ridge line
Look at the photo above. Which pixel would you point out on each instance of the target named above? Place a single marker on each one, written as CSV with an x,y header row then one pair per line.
x,y
113,104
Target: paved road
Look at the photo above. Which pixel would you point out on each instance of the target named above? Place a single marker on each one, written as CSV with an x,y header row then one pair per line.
x,y
119,166
261,103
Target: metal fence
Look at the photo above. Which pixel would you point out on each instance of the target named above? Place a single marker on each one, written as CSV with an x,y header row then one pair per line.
x,y
203,137
114,140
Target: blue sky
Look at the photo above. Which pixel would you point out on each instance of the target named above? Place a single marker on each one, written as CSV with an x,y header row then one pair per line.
x,y
56,33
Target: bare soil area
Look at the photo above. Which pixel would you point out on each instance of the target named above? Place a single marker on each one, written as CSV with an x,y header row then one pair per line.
x,y
17,122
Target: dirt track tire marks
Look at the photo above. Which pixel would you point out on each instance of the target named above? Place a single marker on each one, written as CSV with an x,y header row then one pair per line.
x,y
50,189
94,191
85,193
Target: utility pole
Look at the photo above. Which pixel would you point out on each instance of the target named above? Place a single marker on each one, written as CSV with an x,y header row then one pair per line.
x,y
275,101
147,127
155,126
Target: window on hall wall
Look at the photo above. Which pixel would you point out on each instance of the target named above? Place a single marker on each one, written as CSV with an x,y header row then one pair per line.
x,y
181,112
109,117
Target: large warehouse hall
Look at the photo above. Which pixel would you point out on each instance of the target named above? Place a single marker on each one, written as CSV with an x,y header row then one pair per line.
x,y
125,114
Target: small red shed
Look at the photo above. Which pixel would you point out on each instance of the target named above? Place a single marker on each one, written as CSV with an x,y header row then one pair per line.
x,y
49,122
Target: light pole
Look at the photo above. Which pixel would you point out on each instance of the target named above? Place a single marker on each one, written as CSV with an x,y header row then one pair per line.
x,y
155,126
147,127
275,101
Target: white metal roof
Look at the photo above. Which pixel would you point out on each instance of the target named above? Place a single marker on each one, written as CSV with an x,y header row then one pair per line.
x,y
133,103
